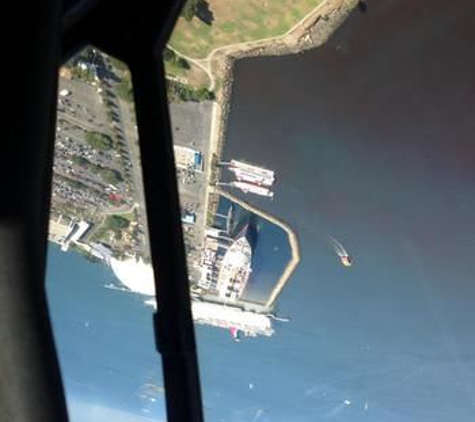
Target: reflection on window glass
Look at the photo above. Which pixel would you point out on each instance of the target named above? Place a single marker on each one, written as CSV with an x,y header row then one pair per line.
x,y
99,252
325,167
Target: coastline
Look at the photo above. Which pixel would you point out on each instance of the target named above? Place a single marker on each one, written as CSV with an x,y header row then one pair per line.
x,y
313,31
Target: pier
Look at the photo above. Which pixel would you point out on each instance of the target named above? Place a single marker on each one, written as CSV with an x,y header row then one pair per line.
x,y
294,246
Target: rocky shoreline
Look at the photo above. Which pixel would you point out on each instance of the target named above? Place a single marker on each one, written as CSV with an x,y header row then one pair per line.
x,y
311,34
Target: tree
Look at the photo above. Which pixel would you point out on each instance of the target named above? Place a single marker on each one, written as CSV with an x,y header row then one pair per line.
x,y
111,176
183,63
119,65
86,75
76,184
124,88
178,91
99,140
189,9
81,161
117,223
168,54
171,57
198,8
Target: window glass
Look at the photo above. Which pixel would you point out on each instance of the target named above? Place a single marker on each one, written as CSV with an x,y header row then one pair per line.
x,y
325,168
99,249
334,276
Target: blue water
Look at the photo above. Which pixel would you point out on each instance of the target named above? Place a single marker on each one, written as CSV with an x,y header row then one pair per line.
x,y
104,337
371,137
105,344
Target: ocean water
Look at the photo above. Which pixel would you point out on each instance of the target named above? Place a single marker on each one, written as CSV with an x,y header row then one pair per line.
x,y
371,137
108,361
104,337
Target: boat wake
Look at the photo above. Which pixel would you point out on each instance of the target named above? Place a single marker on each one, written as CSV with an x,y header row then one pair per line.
x,y
337,409
344,256
113,286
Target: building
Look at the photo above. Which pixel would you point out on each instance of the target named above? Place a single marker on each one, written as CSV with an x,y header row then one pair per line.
x,y
208,263
188,158
76,233
189,218
58,231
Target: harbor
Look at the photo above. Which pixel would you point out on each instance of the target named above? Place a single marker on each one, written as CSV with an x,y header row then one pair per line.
x,y
251,180
226,259
238,262
293,240
235,288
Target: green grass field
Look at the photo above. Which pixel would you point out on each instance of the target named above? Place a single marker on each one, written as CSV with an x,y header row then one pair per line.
x,y
238,21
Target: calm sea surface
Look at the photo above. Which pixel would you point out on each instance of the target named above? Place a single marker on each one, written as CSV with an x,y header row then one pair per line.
x,y
371,137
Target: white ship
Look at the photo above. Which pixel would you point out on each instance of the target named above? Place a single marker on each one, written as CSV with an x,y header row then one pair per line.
x,y
244,176
253,169
236,267
253,174
252,188
250,324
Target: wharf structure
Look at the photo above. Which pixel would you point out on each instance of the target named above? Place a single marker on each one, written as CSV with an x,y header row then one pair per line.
x,y
65,234
138,277
294,246
251,324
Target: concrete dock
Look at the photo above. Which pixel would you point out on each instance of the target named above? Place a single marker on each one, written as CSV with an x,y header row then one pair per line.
x,y
294,246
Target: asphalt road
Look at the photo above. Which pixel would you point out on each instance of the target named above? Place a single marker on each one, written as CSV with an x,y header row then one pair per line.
x,y
131,136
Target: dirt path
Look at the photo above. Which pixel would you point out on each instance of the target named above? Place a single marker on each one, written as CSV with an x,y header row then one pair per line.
x,y
199,63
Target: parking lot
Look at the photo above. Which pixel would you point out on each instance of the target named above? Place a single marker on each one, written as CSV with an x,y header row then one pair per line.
x,y
79,112
83,172
91,180
190,126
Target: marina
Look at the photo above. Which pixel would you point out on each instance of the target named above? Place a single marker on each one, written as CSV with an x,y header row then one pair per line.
x,y
236,290
229,269
249,178
223,297
293,240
